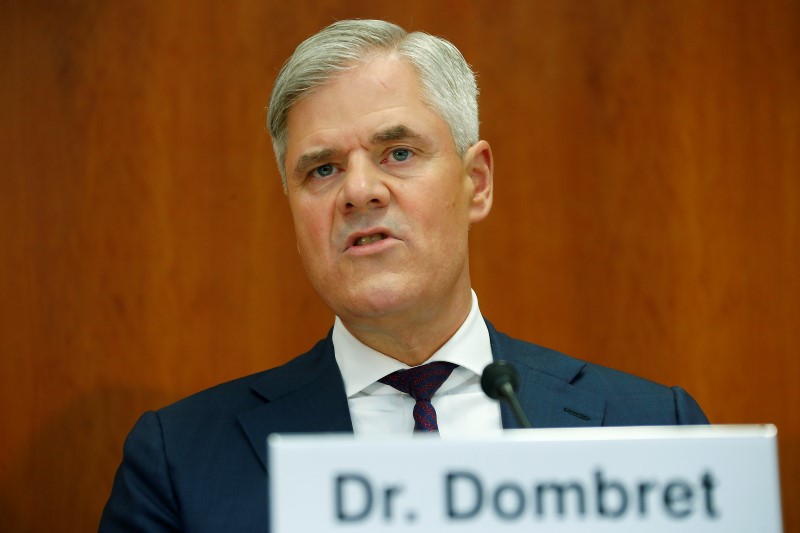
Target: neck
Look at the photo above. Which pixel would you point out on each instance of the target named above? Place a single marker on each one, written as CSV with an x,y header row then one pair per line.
x,y
415,338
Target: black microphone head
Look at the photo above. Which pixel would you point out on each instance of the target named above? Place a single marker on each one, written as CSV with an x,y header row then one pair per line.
x,y
497,374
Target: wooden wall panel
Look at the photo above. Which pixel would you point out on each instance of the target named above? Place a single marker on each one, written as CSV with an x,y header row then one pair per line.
x,y
646,211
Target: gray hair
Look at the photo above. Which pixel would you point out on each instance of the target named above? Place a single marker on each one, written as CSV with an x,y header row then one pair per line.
x,y
447,81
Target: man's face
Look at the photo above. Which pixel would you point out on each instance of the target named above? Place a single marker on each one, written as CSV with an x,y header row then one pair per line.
x,y
381,200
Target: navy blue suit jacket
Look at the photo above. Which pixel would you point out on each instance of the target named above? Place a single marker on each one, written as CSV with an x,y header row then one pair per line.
x,y
199,465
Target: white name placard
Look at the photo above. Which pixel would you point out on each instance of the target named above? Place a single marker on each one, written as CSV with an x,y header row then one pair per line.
x,y
654,479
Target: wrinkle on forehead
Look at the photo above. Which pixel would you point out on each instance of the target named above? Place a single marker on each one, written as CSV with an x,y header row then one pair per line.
x,y
368,105
388,135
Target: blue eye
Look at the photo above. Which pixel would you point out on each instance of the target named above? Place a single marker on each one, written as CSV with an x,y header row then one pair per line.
x,y
401,154
323,171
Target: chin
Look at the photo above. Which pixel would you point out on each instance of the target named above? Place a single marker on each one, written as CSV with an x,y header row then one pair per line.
x,y
375,303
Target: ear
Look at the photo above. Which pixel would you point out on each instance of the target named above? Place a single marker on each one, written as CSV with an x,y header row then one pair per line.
x,y
479,167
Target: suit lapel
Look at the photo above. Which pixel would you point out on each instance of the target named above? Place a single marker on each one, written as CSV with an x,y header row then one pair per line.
x,y
549,386
305,395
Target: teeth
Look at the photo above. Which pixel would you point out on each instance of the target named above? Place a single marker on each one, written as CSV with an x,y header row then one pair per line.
x,y
369,239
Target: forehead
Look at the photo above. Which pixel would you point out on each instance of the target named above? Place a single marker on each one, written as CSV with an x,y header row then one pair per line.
x,y
358,102
383,82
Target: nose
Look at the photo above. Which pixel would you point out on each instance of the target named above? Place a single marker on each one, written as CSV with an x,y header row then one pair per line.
x,y
363,186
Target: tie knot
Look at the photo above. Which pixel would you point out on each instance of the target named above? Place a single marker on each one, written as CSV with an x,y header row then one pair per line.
x,y
420,382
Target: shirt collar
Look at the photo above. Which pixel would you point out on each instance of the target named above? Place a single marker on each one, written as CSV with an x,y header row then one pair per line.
x,y
361,366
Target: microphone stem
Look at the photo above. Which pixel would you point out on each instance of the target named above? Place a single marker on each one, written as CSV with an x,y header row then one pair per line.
x,y
507,391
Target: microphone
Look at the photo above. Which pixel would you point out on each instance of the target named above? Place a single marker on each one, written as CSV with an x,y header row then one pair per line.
x,y
500,381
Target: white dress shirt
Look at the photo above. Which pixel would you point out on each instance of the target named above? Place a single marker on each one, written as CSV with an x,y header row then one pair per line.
x,y
461,406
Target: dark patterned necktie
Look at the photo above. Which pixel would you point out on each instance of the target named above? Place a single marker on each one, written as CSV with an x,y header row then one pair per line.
x,y
421,383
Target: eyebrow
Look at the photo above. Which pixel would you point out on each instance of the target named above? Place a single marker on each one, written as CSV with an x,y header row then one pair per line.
x,y
398,132
310,160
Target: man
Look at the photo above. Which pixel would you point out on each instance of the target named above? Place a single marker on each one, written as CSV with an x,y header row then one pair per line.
x,y
376,136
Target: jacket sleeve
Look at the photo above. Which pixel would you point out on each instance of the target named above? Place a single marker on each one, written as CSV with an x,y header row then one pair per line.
x,y
142,498
687,411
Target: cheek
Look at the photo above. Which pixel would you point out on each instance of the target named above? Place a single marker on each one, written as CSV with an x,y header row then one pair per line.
x,y
456,205
309,217
310,237
307,231
311,249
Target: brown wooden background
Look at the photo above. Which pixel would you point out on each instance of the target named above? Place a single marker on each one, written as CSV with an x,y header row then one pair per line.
x,y
646,217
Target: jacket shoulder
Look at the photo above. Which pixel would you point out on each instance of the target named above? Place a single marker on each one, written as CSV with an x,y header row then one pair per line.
x,y
245,392
629,399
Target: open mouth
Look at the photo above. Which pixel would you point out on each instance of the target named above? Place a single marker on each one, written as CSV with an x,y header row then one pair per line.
x,y
369,239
